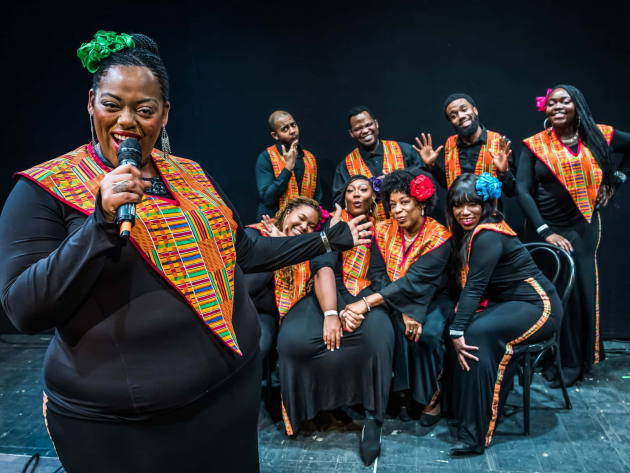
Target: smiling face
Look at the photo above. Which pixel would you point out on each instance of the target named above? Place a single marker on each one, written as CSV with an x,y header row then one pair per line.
x,y
127,104
302,219
467,214
463,116
406,210
286,130
560,109
364,129
359,197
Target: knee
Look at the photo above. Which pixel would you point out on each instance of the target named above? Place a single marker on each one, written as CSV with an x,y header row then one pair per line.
x,y
432,339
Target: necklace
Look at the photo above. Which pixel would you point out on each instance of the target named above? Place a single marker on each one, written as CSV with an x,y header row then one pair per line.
x,y
410,239
571,141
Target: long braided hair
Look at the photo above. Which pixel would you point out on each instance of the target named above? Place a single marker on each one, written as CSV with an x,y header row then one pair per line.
x,y
590,134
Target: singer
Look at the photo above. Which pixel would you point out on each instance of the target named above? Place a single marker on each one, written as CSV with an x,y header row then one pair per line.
x,y
154,365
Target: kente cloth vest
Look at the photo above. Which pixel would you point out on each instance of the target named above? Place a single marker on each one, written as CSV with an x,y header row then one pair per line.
x,y
500,227
355,264
309,180
392,159
391,244
290,285
579,173
189,240
484,161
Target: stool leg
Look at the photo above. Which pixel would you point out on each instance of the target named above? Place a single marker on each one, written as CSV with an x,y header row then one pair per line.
x,y
527,381
557,362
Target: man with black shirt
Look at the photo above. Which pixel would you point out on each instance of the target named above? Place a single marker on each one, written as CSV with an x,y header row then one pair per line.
x,y
285,170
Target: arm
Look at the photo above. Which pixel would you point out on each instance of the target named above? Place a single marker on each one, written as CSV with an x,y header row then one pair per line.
x,y
319,191
46,273
269,188
341,176
526,186
621,144
326,293
411,157
486,251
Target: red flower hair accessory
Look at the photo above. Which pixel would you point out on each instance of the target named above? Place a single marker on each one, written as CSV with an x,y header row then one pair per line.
x,y
541,102
421,188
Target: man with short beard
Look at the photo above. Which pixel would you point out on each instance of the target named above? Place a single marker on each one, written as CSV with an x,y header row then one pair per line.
x,y
285,170
372,157
473,149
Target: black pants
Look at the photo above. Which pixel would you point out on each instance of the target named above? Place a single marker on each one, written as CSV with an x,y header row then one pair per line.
x,y
478,393
215,433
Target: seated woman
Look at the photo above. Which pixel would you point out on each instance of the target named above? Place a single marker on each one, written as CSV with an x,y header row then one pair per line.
x,y
407,270
327,362
300,215
520,305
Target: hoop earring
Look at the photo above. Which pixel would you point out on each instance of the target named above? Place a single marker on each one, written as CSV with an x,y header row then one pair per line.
x,y
93,142
166,144
545,126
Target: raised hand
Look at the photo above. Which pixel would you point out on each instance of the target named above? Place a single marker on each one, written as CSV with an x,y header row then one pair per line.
x,y
270,226
500,159
290,156
121,186
361,232
413,329
425,149
332,332
463,352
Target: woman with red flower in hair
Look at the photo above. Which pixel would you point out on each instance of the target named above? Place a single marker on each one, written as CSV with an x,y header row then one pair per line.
x,y
407,268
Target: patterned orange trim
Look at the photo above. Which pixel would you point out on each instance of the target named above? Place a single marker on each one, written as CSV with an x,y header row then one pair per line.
x,y
188,241
500,227
392,159
309,180
290,285
596,355
285,418
355,264
579,173
484,161
509,351
390,242
260,228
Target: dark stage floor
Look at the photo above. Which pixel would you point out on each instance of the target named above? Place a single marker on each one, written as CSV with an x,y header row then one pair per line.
x,y
593,437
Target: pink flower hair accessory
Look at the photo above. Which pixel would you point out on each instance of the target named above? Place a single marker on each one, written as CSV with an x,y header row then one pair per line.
x,y
541,102
421,188
325,216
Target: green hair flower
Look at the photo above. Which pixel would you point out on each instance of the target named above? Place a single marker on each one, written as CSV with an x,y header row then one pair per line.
x,y
104,43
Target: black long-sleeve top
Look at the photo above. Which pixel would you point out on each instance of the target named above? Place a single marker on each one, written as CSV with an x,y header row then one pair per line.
x,y
270,188
468,156
498,265
127,345
374,161
543,198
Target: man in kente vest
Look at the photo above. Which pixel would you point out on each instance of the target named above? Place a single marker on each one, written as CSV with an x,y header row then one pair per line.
x,y
372,157
285,170
474,148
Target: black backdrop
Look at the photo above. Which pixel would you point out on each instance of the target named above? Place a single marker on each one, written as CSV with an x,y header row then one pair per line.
x,y
231,65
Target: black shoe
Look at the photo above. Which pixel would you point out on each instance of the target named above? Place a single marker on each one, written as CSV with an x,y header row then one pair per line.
x,y
403,414
370,446
427,420
463,449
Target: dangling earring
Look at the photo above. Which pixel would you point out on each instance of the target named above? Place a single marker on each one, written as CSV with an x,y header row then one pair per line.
x,y
166,144
93,142
545,125
422,212
579,124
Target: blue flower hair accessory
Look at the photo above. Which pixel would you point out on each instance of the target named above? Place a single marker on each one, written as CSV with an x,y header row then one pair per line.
x,y
488,187
376,182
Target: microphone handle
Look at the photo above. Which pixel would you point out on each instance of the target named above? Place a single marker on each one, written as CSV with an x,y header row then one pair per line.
x,y
126,213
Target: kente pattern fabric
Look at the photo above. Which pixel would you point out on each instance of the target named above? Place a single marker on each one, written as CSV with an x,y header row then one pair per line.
x,y
500,227
309,181
189,241
484,161
355,264
390,241
260,228
579,173
290,285
392,159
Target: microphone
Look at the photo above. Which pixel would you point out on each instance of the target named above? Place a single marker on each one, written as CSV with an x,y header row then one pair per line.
x,y
128,153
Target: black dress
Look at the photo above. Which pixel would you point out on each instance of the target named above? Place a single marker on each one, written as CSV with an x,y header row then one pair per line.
x,y
131,366
313,378
522,306
545,201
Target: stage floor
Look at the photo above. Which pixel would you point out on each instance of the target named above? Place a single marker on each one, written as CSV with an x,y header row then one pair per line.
x,y
593,437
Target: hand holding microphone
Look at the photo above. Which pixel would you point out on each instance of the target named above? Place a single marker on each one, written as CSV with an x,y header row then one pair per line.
x,y
122,188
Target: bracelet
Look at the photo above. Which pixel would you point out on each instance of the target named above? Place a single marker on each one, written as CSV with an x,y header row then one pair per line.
x,y
456,333
331,312
366,304
325,242
542,228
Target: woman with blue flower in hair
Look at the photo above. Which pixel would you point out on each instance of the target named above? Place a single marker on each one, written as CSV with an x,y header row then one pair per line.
x,y
154,365
505,300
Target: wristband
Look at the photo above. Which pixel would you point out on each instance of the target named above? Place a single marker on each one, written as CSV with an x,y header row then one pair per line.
x,y
542,228
455,333
366,304
328,313
325,242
